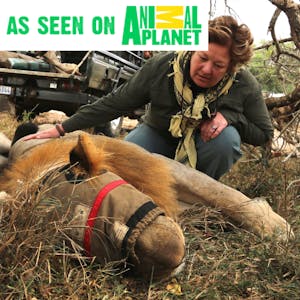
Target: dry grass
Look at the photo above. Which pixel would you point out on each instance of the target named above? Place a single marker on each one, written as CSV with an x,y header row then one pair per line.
x,y
8,124
222,261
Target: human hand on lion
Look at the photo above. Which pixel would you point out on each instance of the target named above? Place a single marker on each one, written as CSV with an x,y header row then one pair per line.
x,y
45,134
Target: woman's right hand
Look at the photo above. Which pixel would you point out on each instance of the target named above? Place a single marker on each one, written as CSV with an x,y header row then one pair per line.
x,y
44,134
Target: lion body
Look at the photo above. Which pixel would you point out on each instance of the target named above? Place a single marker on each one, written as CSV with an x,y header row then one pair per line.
x,y
127,224
135,165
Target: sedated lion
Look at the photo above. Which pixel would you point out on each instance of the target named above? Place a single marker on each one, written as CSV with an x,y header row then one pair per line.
x,y
119,199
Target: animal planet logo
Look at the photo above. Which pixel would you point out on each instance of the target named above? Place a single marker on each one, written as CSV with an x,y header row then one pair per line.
x,y
135,25
162,26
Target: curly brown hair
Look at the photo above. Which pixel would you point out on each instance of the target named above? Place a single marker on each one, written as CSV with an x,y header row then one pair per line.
x,y
226,31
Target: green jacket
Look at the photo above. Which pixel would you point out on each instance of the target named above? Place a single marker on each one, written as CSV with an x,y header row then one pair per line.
x,y
243,107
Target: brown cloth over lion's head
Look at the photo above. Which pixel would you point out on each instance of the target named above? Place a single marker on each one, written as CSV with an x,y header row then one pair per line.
x,y
117,198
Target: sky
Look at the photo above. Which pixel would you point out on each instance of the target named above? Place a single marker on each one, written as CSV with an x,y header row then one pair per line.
x,y
257,15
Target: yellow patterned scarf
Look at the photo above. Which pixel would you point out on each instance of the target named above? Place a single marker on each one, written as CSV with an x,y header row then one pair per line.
x,y
184,123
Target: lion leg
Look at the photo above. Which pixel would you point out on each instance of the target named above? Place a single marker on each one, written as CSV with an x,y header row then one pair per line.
x,y
255,215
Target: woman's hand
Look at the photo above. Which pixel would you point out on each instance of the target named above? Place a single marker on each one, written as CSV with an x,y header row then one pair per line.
x,y
45,134
212,128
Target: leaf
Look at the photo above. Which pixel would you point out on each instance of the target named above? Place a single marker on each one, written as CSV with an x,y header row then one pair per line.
x,y
174,288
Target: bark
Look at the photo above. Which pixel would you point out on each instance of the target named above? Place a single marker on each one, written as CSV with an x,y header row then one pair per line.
x,y
292,11
271,43
289,99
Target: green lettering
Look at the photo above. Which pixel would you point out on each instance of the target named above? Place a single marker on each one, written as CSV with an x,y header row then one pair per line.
x,y
12,26
195,18
44,28
196,36
143,17
24,29
16,27
147,17
77,25
151,17
54,25
165,37
65,25
176,37
187,18
97,25
154,38
191,18
146,35
131,27
187,37
109,25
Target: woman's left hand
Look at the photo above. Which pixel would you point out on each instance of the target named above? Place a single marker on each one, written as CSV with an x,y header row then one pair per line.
x,y
212,128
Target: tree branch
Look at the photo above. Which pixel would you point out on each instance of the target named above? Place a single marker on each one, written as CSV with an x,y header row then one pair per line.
x,y
291,98
271,43
292,11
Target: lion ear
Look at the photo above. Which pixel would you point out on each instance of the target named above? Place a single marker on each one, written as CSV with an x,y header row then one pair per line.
x,y
86,157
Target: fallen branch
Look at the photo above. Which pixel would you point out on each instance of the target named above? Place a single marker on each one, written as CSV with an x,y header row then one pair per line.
x,y
289,99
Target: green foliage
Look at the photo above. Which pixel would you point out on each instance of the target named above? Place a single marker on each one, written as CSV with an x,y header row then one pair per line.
x,y
264,70
275,74
27,115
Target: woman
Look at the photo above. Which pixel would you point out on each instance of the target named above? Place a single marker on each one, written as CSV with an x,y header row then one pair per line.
x,y
202,104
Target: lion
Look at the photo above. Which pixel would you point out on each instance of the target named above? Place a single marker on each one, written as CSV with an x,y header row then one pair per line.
x,y
135,219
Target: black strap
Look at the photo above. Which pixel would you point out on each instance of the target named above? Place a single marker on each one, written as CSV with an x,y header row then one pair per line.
x,y
139,214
